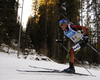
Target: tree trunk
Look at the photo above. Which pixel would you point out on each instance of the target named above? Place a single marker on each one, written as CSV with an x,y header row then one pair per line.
x,y
45,33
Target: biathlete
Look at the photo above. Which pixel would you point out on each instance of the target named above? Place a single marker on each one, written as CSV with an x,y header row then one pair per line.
x,y
73,32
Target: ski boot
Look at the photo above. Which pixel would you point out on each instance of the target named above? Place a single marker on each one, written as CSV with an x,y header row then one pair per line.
x,y
71,69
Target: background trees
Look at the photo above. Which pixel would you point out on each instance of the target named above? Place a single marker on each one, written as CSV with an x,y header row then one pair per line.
x,y
43,28
46,25
8,16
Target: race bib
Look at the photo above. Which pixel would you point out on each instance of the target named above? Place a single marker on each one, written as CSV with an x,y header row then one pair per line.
x,y
76,47
77,37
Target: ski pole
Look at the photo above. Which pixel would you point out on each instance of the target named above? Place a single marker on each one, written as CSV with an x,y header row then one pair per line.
x,y
84,67
93,48
76,59
64,47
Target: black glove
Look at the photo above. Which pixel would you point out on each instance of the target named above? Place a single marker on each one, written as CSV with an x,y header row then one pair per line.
x,y
86,38
59,41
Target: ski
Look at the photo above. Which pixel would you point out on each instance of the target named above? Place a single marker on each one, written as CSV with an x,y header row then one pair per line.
x,y
54,71
38,71
42,68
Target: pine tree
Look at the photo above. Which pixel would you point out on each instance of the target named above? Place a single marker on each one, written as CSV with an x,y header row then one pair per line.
x,y
7,20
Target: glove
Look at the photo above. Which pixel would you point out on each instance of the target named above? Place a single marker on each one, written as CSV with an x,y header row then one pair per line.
x,y
86,38
59,41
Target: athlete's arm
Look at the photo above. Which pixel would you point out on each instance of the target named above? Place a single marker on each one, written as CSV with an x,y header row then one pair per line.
x,y
77,27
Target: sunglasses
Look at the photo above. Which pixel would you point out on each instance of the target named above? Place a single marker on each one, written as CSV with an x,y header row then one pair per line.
x,y
61,24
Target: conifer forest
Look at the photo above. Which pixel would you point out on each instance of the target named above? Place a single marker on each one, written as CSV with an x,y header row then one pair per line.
x,y
43,29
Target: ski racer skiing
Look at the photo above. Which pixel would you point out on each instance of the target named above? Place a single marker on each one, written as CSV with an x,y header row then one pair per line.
x,y
78,35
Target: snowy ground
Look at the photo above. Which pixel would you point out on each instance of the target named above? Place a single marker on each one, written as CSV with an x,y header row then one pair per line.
x,y
9,64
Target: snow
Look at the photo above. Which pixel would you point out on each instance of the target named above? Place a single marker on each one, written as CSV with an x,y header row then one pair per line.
x,y
9,64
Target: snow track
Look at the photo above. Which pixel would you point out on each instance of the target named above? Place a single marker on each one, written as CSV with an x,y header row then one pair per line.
x,y
9,64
